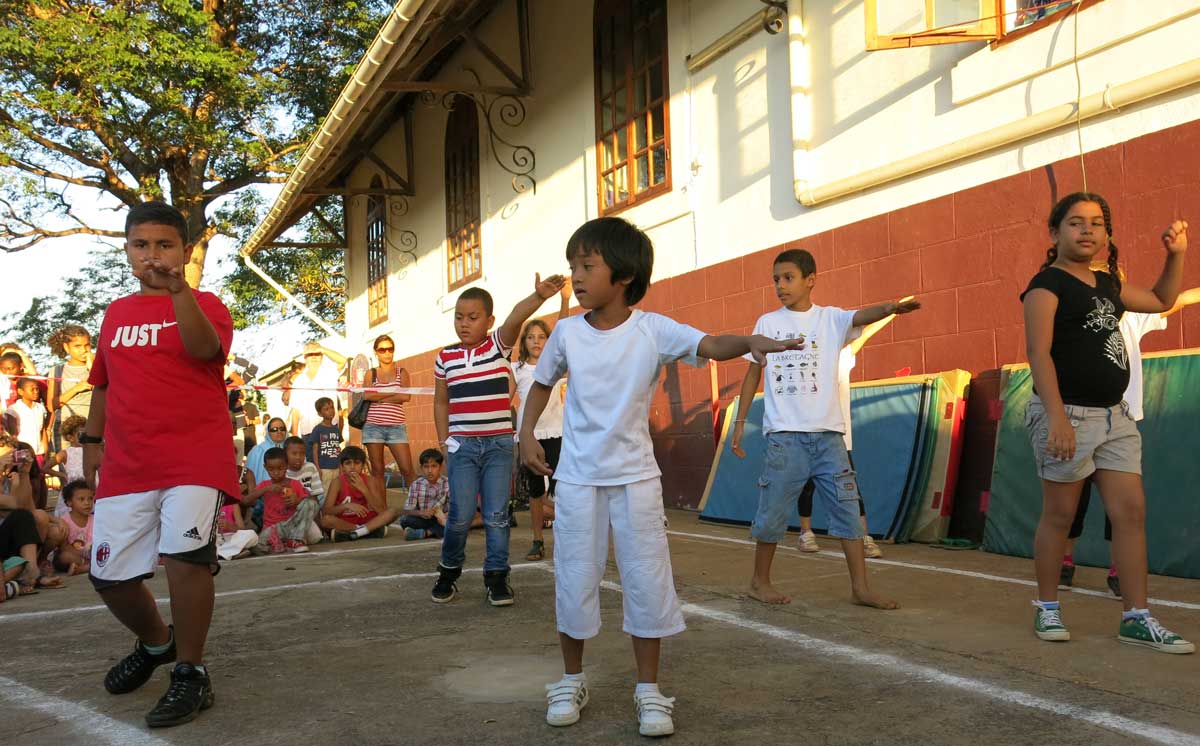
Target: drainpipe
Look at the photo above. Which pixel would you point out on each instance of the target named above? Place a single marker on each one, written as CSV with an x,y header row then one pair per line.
x,y
1111,99
308,312
800,77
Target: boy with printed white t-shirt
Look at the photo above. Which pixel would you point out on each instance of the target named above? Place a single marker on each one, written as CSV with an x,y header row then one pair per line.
x,y
804,424
607,475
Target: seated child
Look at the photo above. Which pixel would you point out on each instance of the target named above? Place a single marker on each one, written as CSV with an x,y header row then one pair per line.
x,y
287,509
425,510
307,474
325,442
355,507
74,553
234,540
68,463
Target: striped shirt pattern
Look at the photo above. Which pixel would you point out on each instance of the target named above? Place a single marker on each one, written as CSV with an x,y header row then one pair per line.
x,y
386,413
423,494
477,382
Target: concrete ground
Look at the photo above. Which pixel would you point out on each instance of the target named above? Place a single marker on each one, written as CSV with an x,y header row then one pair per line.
x,y
342,646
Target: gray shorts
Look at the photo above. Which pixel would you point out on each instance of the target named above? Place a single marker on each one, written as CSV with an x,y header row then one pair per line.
x,y
1105,438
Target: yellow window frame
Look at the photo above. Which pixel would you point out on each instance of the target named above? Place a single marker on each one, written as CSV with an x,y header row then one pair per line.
x,y
987,27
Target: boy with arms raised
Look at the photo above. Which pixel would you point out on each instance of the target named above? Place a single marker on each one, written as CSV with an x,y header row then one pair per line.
x,y
607,475
474,427
804,423
158,381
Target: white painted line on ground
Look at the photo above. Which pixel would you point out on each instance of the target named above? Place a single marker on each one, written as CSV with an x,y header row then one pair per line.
x,y
92,725
938,568
858,656
331,552
20,616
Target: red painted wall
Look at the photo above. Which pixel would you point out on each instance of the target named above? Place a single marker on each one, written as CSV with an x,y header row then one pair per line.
x,y
967,256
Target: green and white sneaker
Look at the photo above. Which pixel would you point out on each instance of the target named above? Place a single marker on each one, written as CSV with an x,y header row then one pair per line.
x,y
1048,625
1147,632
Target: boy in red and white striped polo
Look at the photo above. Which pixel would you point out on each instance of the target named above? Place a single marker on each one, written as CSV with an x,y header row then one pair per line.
x,y
474,427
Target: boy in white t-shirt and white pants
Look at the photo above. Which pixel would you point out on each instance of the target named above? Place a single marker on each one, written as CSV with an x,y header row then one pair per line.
x,y
607,475
804,424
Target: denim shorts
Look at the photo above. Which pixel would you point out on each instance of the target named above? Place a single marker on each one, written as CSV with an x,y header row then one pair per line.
x,y
1105,438
791,460
373,433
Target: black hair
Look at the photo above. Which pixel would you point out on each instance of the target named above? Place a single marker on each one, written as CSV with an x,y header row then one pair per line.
x,y
37,478
431,454
1059,213
322,402
160,213
58,340
293,440
523,349
478,294
352,453
802,259
20,384
13,357
625,248
274,454
383,337
70,488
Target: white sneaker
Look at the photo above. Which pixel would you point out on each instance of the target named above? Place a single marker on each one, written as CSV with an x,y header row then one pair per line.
x,y
654,714
808,542
565,698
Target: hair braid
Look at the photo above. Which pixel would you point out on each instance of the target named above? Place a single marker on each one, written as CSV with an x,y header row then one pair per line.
x,y
1113,268
1051,257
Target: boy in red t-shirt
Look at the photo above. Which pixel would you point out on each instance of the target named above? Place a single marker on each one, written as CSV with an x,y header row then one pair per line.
x,y
287,508
158,383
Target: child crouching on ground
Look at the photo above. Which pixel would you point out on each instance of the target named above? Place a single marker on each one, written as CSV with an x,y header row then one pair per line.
x,y
287,509
607,475
74,555
355,507
425,510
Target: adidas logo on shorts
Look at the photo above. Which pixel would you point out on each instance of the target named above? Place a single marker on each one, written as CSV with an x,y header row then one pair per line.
x,y
194,533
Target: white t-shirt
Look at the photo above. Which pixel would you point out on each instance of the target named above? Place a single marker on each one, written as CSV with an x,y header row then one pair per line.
x,y
29,424
801,387
846,361
606,418
550,424
304,400
309,476
1133,327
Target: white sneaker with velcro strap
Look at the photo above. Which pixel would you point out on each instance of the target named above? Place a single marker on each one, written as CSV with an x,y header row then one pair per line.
x,y
565,698
654,713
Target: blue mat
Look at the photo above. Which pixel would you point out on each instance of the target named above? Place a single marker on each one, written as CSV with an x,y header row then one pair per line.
x,y
889,435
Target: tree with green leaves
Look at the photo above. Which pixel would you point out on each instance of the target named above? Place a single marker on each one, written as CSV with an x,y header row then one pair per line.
x,y
113,102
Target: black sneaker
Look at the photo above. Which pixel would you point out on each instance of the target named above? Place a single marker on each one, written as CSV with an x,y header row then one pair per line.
x,y
188,695
136,668
336,536
445,587
499,592
1114,585
1066,576
379,533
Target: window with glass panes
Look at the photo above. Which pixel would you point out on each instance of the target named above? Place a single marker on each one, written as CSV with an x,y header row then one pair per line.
x,y
464,248
377,263
633,143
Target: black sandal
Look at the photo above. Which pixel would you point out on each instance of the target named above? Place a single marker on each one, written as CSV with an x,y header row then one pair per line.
x,y
537,552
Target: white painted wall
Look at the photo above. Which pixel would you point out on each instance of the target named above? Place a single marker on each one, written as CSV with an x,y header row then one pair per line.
x,y
732,140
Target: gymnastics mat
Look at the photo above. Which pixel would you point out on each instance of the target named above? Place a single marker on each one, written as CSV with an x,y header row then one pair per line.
x,y
890,429
1171,400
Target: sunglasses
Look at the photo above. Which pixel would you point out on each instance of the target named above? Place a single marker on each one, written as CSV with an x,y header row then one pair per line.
x,y
385,349
277,429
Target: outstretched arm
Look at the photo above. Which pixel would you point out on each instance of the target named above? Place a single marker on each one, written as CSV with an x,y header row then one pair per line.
x,y
871,314
729,346
870,330
542,290
1185,299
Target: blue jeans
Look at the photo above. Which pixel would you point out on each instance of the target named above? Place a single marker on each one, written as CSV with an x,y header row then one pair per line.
x,y
482,465
791,460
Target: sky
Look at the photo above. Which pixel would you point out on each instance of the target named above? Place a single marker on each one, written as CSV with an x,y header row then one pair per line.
x,y
40,271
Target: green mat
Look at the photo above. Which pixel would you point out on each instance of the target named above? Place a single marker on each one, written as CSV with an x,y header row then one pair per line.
x,y
1170,432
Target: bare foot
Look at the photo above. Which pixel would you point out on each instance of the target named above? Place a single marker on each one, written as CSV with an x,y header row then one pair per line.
x,y
766,593
874,600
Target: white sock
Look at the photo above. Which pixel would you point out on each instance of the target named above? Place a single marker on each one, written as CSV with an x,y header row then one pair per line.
x,y
643,688
581,676
360,532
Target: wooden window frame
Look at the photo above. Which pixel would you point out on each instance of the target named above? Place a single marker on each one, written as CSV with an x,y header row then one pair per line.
x,y
1049,20
622,11
464,224
377,256
987,28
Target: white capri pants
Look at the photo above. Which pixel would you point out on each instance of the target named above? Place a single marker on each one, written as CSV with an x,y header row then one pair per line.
x,y
582,516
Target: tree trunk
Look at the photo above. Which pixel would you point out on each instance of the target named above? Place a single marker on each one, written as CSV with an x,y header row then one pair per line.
x,y
200,233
